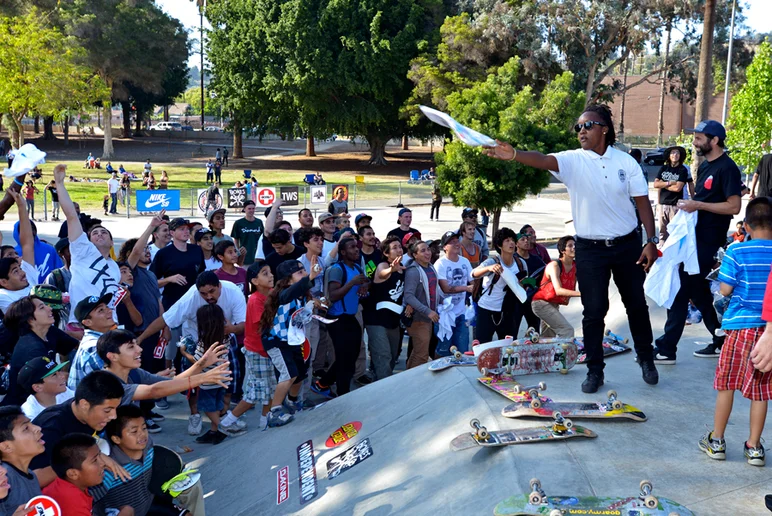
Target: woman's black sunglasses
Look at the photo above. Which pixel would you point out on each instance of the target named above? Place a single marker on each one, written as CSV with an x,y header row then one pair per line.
x,y
587,125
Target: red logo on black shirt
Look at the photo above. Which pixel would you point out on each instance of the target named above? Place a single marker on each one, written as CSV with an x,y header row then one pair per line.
x,y
709,183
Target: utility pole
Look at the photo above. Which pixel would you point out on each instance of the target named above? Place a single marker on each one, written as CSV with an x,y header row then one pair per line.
x,y
201,6
728,64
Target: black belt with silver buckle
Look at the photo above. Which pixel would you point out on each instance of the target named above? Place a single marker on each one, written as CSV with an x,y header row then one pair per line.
x,y
609,242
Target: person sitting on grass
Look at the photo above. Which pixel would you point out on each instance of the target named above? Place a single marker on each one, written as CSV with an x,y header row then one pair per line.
x,y
20,442
132,448
79,465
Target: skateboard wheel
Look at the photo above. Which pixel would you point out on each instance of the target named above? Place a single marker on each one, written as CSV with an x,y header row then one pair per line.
x,y
533,393
650,502
484,371
556,512
509,351
564,346
616,405
535,403
475,423
611,394
564,371
518,389
508,369
542,386
534,498
568,423
535,484
646,486
482,433
607,332
625,341
453,349
457,355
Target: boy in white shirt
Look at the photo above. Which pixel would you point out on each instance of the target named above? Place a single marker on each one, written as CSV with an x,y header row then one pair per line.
x,y
19,275
47,384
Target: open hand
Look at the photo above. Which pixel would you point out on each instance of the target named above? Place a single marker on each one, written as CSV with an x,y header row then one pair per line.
x,y
157,220
502,151
220,375
217,352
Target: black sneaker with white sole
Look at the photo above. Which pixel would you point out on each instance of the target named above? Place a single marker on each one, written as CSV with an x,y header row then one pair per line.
x,y
663,359
152,426
709,351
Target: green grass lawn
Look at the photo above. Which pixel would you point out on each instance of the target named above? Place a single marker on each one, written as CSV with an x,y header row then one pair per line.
x,y
185,178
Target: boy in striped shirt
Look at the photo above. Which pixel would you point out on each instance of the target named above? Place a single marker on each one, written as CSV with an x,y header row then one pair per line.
x,y
743,276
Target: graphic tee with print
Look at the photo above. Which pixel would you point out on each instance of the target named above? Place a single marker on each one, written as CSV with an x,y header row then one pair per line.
x,y
92,273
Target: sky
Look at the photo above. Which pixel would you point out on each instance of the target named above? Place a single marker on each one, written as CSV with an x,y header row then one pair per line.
x,y
758,14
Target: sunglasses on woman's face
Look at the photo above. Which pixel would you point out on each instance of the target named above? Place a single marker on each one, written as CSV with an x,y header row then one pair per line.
x,y
587,125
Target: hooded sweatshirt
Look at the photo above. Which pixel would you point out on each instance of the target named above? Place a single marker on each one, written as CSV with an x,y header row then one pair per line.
x,y
46,259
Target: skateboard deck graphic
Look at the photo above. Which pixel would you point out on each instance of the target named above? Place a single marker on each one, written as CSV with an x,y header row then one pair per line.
x,y
507,387
613,344
496,438
613,408
526,356
538,504
443,363
343,434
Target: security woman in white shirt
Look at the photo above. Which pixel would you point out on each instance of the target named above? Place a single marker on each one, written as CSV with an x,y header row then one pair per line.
x,y
600,181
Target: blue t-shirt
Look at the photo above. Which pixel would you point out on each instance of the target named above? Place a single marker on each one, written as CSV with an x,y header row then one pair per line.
x,y
349,304
746,268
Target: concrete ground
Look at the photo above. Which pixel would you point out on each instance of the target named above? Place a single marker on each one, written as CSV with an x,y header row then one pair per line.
x,y
411,417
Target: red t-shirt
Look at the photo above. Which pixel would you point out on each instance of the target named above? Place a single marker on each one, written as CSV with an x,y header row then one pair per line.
x,y
766,311
73,500
239,279
253,341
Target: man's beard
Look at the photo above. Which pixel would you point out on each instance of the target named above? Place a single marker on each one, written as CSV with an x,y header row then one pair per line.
x,y
704,149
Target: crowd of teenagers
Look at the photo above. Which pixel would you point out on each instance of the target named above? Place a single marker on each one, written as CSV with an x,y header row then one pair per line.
x,y
96,340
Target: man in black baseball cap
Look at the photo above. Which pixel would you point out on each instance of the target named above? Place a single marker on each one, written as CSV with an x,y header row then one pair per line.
x,y
717,194
96,316
45,387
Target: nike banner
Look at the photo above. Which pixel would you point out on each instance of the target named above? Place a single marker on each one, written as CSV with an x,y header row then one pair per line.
x,y
157,200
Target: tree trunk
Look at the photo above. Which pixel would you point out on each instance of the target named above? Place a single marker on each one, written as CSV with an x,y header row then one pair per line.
x,y
66,130
138,124
589,90
48,128
705,74
496,220
404,142
377,151
19,133
166,113
108,152
310,150
126,108
37,124
661,122
238,151
621,134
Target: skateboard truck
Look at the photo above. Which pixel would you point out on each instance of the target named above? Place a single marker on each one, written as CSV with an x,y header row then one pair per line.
x,y
480,431
613,403
532,393
455,352
539,497
609,333
532,335
648,500
561,424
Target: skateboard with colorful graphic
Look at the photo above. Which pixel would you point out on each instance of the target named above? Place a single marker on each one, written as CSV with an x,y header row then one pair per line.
x,y
539,504
455,359
526,356
613,344
612,408
560,429
514,390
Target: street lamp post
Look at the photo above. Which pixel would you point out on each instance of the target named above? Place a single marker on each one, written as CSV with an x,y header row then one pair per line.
x,y
201,6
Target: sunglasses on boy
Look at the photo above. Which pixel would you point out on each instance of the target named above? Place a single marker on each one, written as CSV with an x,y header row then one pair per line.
x,y
587,125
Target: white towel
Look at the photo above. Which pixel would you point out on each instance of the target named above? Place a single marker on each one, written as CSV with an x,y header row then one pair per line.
x,y
25,159
447,319
663,283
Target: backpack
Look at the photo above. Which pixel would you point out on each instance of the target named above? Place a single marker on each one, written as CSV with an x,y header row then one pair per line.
x,y
343,281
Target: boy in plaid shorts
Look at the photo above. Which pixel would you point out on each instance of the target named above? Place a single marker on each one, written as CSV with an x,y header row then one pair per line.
x,y
743,276
259,379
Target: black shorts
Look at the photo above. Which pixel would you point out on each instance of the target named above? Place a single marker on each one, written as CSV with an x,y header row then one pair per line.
x,y
288,363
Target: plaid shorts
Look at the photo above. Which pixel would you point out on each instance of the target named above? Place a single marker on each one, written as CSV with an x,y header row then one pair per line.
x,y
735,371
259,379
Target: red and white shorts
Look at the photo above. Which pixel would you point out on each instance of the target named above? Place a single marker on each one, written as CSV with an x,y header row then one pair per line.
x,y
735,371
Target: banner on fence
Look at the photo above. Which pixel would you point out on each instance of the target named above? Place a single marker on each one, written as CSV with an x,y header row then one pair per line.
x,y
201,202
157,200
266,196
337,188
318,195
237,197
289,195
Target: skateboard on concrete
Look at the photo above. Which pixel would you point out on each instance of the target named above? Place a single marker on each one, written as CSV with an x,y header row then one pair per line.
x,y
613,344
560,429
612,408
455,359
514,390
539,504
526,356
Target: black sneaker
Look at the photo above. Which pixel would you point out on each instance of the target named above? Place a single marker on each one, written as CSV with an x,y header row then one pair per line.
x,y
709,351
662,358
155,416
364,380
649,370
593,382
152,427
211,437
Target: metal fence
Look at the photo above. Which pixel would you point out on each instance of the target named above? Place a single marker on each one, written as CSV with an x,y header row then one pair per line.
x,y
192,202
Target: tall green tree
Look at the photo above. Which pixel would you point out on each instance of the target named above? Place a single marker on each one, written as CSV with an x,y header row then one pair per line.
x,y
40,74
500,108
750,117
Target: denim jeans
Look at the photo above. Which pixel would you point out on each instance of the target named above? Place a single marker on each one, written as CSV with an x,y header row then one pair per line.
x,y
459,338
113,203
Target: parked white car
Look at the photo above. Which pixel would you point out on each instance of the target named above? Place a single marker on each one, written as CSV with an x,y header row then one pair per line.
x,y
167,126
212,129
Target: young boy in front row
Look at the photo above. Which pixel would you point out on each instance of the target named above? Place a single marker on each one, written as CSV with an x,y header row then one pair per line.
x,y
743,276
132,448
20,442
78,464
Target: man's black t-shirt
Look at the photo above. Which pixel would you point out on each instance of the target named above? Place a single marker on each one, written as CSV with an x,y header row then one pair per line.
x,y
56,422
764,170
667,173
170,261
274,259
717,180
